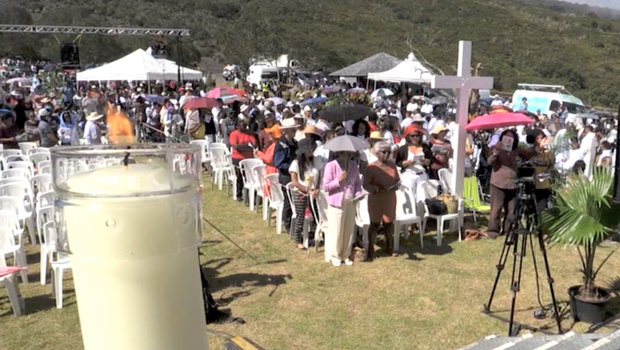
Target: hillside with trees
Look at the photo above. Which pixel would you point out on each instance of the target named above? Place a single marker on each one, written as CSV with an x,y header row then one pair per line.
x,y
515,41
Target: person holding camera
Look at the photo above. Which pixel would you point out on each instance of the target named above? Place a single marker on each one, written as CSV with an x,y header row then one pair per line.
x,y
543,163
504,162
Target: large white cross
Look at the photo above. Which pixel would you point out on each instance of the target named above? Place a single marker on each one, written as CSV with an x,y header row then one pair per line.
x,y
464,83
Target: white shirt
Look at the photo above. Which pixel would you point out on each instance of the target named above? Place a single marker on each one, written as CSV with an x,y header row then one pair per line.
x,y
321,157
311,174
497,103
452,129
92,133
406,122
215,112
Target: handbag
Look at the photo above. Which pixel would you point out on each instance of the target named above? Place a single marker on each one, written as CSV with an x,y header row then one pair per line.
x,y
436,206
200,133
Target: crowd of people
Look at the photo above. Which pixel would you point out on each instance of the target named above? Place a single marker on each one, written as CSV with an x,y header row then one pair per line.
x,y
408,142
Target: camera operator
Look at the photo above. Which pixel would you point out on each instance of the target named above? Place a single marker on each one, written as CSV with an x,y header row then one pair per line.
x,y
543,163
504,161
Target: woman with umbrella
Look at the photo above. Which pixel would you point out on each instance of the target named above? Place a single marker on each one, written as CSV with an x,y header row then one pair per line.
x,y
341,181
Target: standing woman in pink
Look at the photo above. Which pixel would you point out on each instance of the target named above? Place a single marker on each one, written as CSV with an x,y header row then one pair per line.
x,y
341,181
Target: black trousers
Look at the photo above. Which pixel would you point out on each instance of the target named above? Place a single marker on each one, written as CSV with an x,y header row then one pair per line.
x,y
287,212
239,194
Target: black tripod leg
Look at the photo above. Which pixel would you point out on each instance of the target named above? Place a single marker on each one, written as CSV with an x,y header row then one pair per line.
x,y
543,250
500,266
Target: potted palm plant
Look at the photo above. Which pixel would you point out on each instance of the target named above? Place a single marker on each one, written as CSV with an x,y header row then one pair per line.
x,y
583,215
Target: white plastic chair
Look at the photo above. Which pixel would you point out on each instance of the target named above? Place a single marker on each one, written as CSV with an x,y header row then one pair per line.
x,y
249,183
24,212
59,261
259,178
12,243
8,280
21,165
11,180
362,220
204,146
44,163
219,165
8,152
41,183
21,173
45,199
37,150
17,158
275,200
44,215
431,190
406,215
445,178
25,146
45,169
38,158
319,210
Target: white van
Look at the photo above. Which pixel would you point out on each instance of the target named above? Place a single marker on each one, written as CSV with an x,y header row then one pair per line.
x,y
547,99
257,74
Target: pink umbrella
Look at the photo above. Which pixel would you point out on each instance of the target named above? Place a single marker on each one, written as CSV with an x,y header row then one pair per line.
x,y
498,120
220,92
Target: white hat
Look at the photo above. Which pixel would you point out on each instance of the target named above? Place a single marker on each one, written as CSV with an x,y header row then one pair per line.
x,y
43,113
290,104
307,109
241,116
418,118
411,107
244,108
288,123
94,116
383,112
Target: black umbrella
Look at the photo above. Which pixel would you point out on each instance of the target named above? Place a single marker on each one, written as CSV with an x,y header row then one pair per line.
x,y
438,100
344,112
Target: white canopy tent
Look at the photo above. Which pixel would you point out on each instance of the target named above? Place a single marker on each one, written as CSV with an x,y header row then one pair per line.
x,y
170,71
408,71
139,66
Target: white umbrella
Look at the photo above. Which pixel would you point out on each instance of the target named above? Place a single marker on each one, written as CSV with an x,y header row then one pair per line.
x,y
381,93
20,80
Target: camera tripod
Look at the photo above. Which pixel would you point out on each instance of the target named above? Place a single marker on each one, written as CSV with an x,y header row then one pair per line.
x,y
524,228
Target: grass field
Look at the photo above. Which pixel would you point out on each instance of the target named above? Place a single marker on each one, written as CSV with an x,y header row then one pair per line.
x,y
426,298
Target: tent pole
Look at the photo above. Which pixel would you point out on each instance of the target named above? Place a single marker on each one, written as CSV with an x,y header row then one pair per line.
x,y
179,60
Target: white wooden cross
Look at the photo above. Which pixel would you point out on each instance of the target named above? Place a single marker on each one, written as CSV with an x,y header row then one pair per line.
x,y
464,83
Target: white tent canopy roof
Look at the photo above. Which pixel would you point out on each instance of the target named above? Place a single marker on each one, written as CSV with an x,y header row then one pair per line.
x,y
139,66
170,71
408,71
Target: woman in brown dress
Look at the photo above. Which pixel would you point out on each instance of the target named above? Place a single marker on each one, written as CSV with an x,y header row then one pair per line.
x,y
381,180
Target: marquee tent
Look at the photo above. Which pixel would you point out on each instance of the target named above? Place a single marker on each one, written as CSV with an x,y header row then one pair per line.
x,y
379,62
140,66
170,71
408,71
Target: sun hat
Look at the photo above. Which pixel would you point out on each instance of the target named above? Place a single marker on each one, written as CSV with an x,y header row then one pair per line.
x,y
383,112
43,113
304,145
94,116
307,109
288,123
376,135
418,118
438,128
244,108
414,128
311,129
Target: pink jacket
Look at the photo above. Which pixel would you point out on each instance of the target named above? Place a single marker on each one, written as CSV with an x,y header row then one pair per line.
x,y
335,188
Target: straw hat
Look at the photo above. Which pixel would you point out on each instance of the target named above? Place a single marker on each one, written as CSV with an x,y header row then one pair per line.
x,y
311,129
437,129
376,135
288,123
94,116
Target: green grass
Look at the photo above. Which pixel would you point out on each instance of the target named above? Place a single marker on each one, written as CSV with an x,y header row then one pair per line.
x,y
426,298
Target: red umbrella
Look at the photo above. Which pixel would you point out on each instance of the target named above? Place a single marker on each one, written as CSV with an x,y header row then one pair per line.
x,y
202,102
498,120
220,92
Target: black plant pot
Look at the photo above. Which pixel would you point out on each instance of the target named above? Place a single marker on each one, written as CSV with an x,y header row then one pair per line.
x,y
588,311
